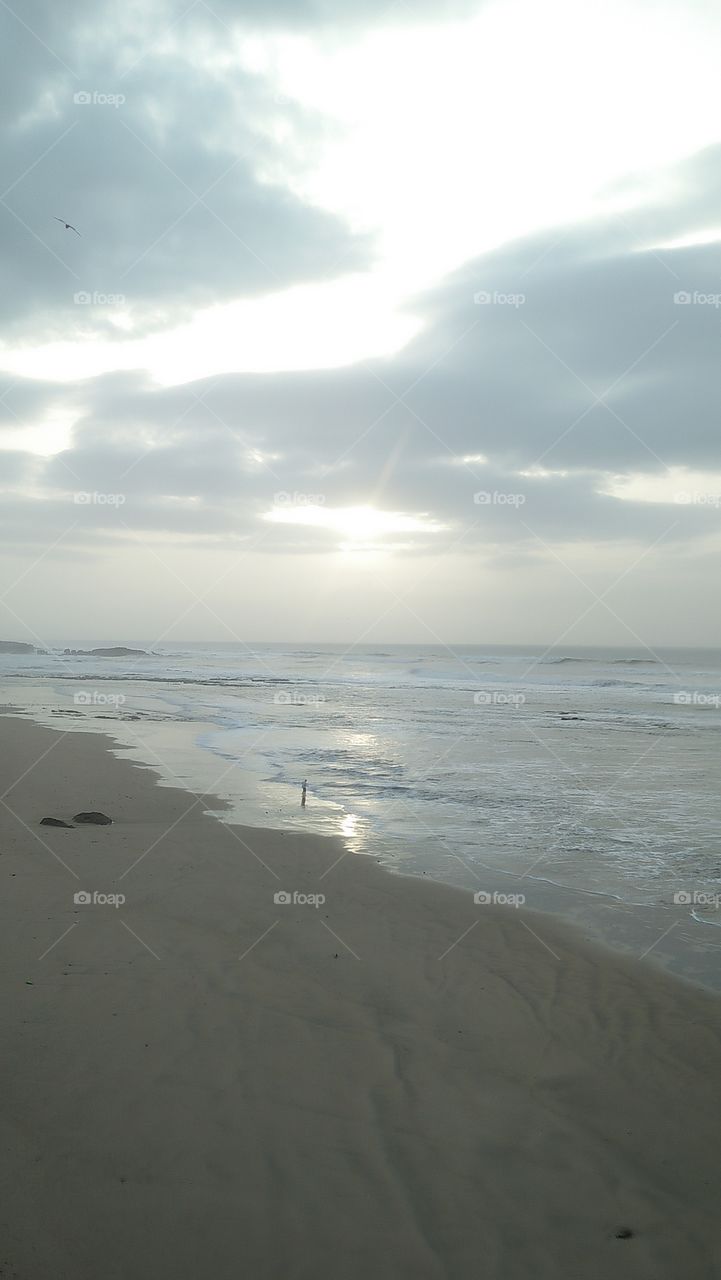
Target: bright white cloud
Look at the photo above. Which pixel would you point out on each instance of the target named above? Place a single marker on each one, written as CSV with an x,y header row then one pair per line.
x,y
49,435
460,137
679,485
324,325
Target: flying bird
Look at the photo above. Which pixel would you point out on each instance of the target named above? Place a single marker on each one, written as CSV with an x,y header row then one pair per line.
x,y
68,225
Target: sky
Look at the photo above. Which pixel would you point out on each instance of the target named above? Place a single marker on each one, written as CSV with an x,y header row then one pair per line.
x,y
373,321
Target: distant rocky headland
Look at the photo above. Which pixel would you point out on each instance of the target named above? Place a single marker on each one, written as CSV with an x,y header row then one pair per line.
x,y
118,651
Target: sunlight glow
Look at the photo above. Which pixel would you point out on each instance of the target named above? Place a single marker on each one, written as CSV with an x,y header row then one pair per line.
x,y
445,98
360,526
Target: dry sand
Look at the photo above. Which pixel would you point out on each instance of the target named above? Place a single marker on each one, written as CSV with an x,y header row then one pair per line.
x,y
398,1083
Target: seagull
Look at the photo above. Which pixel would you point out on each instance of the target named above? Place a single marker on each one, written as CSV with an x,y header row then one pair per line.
x,y
68,225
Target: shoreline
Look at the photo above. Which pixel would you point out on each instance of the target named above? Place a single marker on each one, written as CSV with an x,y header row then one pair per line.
x,y
394,1082
672,938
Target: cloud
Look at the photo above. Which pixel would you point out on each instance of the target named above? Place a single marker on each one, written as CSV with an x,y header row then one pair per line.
x,y
158,158
542,373
514,382
328,16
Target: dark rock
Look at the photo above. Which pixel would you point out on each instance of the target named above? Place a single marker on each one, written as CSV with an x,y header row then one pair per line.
x,y
95,819
16,646
119,652
56,822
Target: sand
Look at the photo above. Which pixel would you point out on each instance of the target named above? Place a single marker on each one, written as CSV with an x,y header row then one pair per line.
x,y
202,1082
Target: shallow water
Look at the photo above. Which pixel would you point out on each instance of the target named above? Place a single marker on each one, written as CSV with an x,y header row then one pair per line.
x,y
581,775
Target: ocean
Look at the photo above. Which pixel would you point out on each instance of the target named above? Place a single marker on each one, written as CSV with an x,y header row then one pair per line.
x,y
577,779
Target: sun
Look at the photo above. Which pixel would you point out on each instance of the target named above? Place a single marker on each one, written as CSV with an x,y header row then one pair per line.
x,y
358,527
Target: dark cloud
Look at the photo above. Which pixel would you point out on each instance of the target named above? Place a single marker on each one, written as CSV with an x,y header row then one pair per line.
x,y
156,162
23,400
16,468
114,122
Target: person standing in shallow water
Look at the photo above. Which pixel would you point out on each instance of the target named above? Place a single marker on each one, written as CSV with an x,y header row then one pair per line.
x,y
302,794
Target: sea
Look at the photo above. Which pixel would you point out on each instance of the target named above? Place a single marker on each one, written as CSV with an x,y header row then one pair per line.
x,y
580,782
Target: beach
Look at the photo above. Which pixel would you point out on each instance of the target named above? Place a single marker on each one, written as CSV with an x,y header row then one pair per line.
x,y
581,779
274,1059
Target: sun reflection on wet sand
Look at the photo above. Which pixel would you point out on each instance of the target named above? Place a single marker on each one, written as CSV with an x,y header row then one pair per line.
x,y
354,831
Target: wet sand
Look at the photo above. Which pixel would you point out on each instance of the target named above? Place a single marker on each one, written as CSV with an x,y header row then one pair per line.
x,y
394,1082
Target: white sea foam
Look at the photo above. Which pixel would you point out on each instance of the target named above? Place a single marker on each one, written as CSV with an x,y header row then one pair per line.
x,y
563,768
